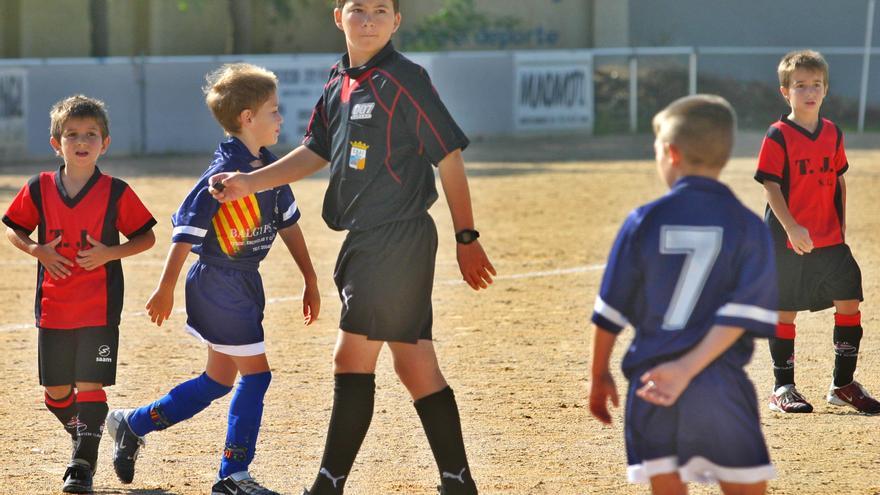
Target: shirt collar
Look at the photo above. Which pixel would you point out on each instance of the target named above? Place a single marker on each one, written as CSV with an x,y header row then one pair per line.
x,y
234,149
702,183
357,71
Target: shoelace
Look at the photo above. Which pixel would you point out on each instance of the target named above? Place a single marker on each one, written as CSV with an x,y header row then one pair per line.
x,y
251,487
792,396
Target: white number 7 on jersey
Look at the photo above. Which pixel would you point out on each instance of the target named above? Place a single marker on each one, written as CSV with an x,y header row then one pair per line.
x,y
701,246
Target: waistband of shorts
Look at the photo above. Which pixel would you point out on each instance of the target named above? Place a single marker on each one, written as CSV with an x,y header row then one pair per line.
x,y
242,265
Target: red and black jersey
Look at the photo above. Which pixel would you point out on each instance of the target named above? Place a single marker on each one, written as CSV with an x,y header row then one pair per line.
x,y
381,126
104,208
807,166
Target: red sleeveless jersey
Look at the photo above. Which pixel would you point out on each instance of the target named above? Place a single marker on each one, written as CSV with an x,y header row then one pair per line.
x,y
104,208
807,166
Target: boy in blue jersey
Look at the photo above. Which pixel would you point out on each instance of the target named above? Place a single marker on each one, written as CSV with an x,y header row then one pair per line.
x,y
693,272
383,129
224,291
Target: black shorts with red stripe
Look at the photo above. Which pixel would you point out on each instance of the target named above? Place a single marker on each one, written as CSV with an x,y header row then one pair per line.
x,y
78,355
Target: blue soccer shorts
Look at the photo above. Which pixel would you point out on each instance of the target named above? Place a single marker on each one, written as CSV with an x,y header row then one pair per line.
x,y
224,308
711,434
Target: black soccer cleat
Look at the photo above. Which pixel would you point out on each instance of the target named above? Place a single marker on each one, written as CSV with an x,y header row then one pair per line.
x,y
240,483
126,444
77,477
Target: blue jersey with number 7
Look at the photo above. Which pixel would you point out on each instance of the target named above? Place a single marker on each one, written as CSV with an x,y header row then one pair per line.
x,y
690,260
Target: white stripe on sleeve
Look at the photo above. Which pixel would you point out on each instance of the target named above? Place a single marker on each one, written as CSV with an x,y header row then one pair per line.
x,y
289,213
756,313
610,313
186,229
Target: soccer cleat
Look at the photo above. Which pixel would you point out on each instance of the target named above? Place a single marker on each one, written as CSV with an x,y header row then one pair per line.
x,y
240,483
855,396
77,477
126,444
787,399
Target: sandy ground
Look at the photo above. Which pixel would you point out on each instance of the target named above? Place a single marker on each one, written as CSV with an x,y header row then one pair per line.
x,y
517,354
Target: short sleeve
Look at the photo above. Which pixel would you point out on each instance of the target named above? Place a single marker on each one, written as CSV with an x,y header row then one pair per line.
x,y
288,212
23,213
840,162
430,121
754,299
134,219
193,219
614,307
771,159
317,137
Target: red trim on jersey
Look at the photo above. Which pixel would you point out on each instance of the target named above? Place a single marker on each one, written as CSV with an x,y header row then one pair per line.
x,y
785,331
348,86
60,403
847,320
91,396
249,202
418,109
390,112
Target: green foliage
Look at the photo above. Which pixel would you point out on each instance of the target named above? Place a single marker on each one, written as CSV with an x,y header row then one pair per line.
x,y
452,25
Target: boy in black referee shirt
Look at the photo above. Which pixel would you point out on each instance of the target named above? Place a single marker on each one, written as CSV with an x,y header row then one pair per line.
x,y
381,126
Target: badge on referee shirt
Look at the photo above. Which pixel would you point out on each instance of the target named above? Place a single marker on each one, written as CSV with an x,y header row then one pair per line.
x,y
358,158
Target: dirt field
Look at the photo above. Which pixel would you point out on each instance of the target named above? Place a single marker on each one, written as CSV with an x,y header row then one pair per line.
x,y
517,355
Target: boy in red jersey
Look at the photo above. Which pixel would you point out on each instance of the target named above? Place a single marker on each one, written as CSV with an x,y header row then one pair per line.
x,y
801,165
79,213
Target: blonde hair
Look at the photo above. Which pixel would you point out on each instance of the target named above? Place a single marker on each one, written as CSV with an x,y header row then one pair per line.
x,y
801,59
233,88
701,127
78,107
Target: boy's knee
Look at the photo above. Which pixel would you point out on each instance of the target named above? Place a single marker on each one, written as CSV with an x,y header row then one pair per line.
x,y
58,392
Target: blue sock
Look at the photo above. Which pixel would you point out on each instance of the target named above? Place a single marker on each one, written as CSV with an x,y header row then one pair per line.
x,y
182,402
245,415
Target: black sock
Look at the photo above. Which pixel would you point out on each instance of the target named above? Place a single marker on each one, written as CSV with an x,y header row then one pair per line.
x,y
65,410
92,411
782,354
847,337
353,397
439,415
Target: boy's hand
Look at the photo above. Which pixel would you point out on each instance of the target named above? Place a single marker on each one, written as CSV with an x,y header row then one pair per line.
x,y
234,186
602,389
474,265
799,237
311,304
159,306
52,261
96,256
664,383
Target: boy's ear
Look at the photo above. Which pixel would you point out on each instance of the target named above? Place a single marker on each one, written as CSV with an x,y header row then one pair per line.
x,y
784,91
396,22
337,18
105,145
55,145
245,117
674,153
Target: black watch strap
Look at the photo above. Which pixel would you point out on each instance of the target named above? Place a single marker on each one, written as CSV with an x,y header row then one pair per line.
x,y
466,236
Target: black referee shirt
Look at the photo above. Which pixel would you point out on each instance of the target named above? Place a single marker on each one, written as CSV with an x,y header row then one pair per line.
x,y
381,126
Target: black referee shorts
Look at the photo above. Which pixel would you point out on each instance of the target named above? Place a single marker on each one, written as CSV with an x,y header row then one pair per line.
x,y
815,280
80,355
385,277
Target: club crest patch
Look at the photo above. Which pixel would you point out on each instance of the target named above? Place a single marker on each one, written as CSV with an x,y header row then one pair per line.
x,y
358,158
362,111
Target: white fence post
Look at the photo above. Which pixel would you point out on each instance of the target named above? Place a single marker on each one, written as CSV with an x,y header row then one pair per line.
x,y
692,72
866,66
633,94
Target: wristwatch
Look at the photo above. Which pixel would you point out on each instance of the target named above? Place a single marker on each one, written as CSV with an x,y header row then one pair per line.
x,y
466,236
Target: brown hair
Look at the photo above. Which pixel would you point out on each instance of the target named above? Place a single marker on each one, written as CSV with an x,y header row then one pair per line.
x,y
233,88
701,126
78,107
395,3
801,59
